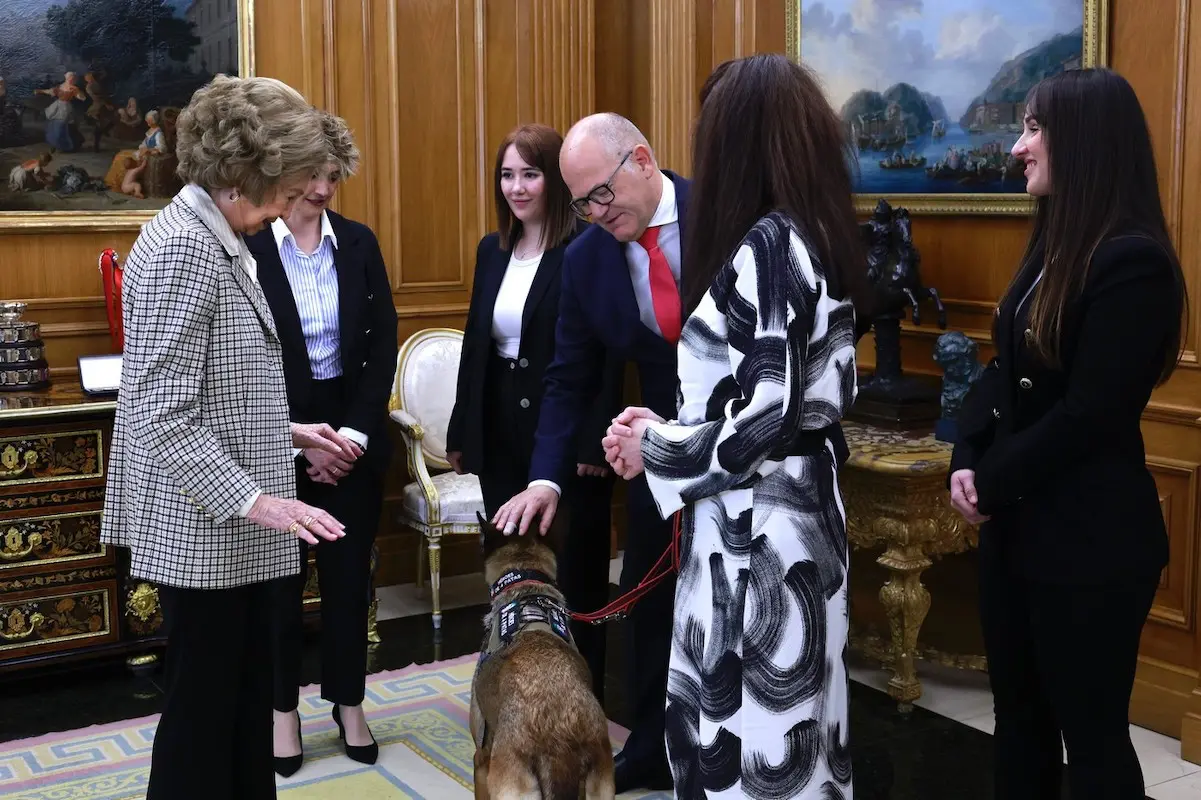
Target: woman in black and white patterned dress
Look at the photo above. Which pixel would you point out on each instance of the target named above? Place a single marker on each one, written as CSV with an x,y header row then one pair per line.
x,y
757,694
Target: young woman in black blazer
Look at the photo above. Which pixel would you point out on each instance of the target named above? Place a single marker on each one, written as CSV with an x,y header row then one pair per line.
x,y
1051,459
325,281
508,342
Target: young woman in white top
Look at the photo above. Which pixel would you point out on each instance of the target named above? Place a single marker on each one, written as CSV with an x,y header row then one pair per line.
x,y
509,340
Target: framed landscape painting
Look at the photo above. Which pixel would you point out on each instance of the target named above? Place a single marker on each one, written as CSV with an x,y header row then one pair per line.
x,y
90,91
932,92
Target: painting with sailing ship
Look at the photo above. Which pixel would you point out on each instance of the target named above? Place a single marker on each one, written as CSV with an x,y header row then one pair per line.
x,y
89,94
932,93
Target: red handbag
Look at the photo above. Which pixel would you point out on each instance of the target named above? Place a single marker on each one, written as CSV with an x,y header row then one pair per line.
x,y
110,273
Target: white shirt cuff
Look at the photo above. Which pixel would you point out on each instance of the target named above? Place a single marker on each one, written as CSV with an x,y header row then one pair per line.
x,y
244,511
357,437
551,484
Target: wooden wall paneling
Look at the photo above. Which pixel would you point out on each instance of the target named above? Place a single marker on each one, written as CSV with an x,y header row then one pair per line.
x,y
347,90
1173,616
1152,52
556,86
622,62
673,91
56,274
289,39
742,28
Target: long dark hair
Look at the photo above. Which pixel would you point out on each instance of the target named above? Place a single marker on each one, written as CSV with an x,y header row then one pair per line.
x,y
768,140
1103,182
538,146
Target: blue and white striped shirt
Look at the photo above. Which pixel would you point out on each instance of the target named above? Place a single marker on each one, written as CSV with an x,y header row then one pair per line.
x,y
314,282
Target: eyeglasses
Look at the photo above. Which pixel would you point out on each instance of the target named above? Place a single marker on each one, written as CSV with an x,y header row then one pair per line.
x,y
602,195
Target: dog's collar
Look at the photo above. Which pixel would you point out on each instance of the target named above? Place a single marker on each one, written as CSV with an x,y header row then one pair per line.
x,y
515,576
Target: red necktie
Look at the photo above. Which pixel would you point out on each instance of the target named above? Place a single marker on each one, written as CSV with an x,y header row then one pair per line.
x,y
665,295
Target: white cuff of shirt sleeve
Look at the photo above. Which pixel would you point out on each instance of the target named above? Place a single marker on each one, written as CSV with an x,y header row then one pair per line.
x,y
551,484
244,511
357,437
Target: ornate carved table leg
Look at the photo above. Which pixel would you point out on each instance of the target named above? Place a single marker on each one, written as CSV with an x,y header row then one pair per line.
x,y
906,601
373,607
895,495
373,636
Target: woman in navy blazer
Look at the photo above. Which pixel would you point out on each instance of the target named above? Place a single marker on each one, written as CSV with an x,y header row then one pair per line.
x,y
326,283
509,341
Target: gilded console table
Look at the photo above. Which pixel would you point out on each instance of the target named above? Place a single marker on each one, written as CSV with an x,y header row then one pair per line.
x,y
894,489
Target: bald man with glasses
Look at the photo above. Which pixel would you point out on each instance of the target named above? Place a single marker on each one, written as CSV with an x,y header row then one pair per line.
x,y
620,294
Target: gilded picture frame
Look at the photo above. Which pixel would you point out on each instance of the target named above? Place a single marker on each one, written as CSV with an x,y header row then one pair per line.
x,y
102,113
898,160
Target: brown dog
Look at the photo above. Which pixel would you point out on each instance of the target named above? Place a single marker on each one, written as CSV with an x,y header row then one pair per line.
x,y
539,730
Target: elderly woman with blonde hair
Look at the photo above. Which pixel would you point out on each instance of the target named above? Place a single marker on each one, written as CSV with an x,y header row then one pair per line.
x,y
201,486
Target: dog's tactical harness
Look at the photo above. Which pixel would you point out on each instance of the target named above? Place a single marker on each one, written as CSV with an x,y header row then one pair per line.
x,y
529,612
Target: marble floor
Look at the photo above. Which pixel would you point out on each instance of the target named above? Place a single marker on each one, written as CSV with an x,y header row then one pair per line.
x,y
940,750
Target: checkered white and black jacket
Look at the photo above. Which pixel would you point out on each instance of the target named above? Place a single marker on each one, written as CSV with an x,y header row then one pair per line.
x,y
202,414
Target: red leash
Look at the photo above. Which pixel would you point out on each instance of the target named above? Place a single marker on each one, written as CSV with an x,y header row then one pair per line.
x,y
668,563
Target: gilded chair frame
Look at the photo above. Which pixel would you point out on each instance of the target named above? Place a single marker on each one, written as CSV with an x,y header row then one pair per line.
x,y
420,459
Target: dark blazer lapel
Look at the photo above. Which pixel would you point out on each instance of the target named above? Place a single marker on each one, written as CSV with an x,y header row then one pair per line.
x,y
352,293
278,293
683,189
610,258
494,273
1010,307
548,268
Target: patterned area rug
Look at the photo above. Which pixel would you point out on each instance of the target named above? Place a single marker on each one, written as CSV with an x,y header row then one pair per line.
x,y
418,715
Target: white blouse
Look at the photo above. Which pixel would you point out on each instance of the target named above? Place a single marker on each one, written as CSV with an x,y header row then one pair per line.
x,y
510,304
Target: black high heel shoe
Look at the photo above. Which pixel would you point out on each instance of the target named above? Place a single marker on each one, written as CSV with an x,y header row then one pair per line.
x,y
364,754
287,766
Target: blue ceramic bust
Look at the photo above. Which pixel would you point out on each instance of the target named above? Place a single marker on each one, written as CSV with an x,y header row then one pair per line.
x,y
957,355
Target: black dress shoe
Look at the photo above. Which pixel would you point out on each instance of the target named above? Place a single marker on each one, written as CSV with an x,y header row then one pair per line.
x,y
365,753
287,766
629,776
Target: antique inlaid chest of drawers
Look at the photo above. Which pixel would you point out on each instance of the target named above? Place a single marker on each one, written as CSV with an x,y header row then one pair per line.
x,y
63,594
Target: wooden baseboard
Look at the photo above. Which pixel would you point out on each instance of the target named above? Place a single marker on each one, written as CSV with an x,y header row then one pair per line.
x,y
1190,738
1166,700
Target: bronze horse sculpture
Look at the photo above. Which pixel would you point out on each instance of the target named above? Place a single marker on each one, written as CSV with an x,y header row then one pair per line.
x,y
893,265
893,269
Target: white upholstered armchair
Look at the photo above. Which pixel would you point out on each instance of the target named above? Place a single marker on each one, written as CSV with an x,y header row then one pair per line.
x,y
437,502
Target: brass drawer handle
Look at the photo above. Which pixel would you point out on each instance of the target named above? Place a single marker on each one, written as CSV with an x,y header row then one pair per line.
x,y
16,620
12,550
11,460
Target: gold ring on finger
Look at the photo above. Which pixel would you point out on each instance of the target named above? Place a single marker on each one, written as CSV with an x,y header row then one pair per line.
x,y
308,521
294,527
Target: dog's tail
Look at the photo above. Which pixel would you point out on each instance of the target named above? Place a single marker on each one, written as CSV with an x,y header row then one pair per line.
x,y
561,774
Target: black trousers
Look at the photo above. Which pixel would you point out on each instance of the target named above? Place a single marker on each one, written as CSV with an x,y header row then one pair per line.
x,y
508,435
344,578
584,515
648,628
214,736
1061,662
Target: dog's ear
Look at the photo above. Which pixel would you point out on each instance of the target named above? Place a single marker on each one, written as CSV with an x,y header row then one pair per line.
x,y
491,539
